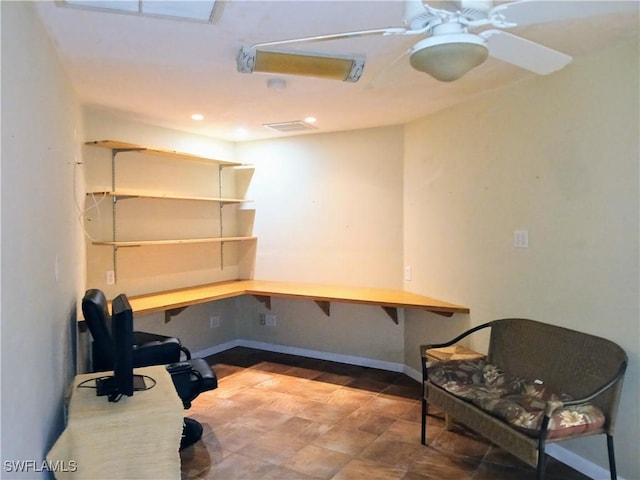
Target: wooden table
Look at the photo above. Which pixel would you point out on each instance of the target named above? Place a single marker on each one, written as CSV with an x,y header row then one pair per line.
x,y
173,302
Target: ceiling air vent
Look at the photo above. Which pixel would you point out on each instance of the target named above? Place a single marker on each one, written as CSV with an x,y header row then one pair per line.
x,y
288,127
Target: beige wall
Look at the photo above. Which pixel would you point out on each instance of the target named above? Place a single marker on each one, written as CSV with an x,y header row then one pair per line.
x,y
328,210
557,156
325,208
329,207
41,241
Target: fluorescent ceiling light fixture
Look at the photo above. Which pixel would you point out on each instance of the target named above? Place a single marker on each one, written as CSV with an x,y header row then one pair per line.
x,y
310,120
251,60
197,117
199,10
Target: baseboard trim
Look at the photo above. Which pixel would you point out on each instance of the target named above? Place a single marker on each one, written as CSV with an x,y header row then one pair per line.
x,y
412,373
575,461
216,349
581,464
304,352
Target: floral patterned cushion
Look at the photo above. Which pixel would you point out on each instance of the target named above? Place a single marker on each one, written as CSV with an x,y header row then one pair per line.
x,y
473,378
517,401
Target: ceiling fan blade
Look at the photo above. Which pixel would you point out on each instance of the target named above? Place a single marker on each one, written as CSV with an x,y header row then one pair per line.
x,y
335,36
524,53
529,12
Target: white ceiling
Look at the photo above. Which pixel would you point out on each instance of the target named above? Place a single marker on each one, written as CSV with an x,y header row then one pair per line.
x,y
161,71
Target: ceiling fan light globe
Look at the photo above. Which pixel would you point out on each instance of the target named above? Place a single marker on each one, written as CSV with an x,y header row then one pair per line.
x,y
448,59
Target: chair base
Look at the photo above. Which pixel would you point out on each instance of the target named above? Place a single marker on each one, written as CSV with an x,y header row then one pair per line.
x,y
191,433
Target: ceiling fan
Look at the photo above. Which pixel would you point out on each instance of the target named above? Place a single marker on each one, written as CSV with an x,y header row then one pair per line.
x,y
459,35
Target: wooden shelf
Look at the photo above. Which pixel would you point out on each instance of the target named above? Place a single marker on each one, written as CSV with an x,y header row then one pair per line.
x,y
124,194
142,243
116,194
124,147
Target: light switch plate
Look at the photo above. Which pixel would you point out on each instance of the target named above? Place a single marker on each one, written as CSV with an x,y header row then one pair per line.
x,y
521,238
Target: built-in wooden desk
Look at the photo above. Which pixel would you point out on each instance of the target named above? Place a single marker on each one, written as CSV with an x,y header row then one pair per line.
x,y
173,302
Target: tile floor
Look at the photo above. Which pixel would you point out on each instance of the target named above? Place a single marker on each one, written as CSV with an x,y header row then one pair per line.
x,y
277,416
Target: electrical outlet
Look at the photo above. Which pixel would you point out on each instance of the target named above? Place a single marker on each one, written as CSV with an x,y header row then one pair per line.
x,y
407,273
214,321
271,320
262,319
111,277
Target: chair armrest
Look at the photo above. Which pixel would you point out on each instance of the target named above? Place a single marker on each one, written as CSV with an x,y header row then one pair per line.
x,y
187,380
600,390
179,368
143,338
553,405
424,348
186,352
156,353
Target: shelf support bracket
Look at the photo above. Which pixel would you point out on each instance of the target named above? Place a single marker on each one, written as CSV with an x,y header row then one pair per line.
x,y
265,300
324,306
114,225
392,312
114,204
444,314
220,213
172,313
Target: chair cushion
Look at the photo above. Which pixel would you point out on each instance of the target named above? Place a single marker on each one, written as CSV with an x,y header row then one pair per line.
x,y
471,379
517,401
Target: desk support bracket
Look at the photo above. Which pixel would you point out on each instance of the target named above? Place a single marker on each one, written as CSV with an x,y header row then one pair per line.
x,y
392,312
265,300
444,314
172,313
324,306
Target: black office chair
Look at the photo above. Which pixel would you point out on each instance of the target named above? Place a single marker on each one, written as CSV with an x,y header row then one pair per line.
x,y
191,376
149,348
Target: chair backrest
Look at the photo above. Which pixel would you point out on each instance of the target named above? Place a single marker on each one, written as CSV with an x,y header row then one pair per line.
x,y
566,360
96,314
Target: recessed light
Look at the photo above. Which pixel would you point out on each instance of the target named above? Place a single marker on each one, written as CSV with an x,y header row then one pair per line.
x,y
197,116
311,120
241,132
